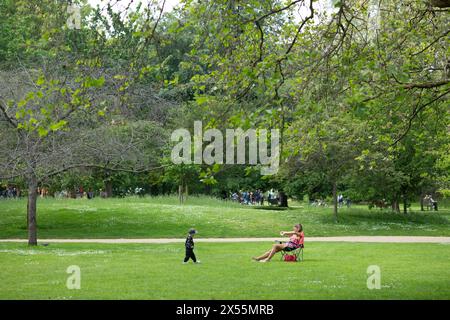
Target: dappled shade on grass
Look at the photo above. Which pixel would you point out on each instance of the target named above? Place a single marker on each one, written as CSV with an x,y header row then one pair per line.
x,y
163,217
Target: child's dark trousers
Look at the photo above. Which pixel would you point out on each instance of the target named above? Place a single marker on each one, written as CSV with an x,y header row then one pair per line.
x,y
190,255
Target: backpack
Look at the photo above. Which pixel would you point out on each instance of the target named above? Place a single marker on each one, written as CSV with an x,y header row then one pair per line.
x,y
290,258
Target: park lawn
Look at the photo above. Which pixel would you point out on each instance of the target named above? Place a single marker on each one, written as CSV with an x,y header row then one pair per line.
x,y
164,217
136,271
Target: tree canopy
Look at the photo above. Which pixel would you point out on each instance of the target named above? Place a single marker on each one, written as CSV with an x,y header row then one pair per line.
x,y
358,89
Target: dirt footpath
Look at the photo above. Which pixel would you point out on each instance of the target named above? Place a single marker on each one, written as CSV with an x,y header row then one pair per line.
x,y
385,239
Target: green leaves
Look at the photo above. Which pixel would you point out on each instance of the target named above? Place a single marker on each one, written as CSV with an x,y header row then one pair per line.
x,y
94,83
207,177
42,132
44,110
58,125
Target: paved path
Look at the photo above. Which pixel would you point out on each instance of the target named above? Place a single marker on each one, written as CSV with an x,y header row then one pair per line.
x,y
387,239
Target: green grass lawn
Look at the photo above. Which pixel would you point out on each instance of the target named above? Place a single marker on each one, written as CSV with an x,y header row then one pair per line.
x,y
164,217
132,271
138,271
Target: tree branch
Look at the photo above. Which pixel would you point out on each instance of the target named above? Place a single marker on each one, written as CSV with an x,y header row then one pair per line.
x,y
261,43
274,11
97,166
426,85
415,113
433,42
6,116
309,17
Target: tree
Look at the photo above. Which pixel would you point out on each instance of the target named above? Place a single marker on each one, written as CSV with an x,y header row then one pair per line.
x,y
265,64
66,111
329,146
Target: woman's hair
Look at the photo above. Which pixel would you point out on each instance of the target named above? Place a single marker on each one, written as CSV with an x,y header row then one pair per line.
x,y
299,227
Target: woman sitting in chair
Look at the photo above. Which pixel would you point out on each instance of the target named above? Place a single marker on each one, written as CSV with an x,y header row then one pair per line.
x,y
296,239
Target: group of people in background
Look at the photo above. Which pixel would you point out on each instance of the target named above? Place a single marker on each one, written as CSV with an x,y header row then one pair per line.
x,y
343,201
10,192
244,197
256,197
77,193
430,203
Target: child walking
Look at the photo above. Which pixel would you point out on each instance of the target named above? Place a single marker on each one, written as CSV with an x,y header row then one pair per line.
x,y
189,244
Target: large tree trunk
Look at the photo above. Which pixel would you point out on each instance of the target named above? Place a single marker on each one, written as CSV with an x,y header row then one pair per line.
x,y
405,205
108,188
395,205
180,193
335,202
31,211
440,3
283,199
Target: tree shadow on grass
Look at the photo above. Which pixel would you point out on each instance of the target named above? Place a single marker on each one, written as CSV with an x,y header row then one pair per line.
x,y
355,217
272,208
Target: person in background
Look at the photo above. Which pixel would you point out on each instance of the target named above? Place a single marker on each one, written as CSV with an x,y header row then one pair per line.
x,y
340,200
434,204
189,244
